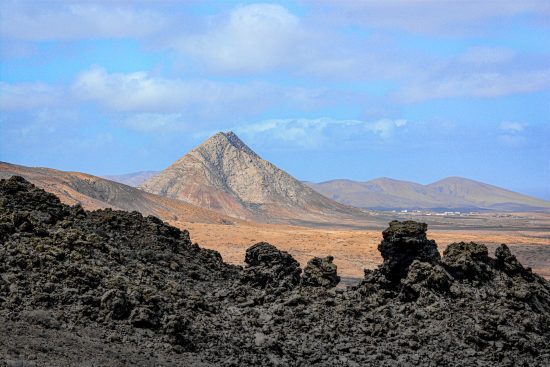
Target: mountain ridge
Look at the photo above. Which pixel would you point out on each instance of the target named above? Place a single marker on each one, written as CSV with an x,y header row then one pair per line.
x,y
448,193
133,179
94,192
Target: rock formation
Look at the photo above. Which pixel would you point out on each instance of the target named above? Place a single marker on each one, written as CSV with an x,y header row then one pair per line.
x,y
225,175
321,272
403,243
114,288
268,267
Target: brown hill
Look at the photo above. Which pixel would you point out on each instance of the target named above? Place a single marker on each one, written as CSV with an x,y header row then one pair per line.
x,y
450,193
225,175
97,193
487,196
133,179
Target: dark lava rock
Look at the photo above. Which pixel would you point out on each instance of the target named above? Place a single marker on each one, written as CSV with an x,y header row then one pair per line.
x,y
508,263
114,303
467,260
403,243
424,277
321,272
111,288
267,267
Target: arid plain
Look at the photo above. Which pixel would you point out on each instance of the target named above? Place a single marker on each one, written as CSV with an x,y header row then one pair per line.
x,y
355,250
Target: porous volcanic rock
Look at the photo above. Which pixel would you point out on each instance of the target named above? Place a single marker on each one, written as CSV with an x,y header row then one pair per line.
x,y
112,288
267,267
321,272
403,243
467,260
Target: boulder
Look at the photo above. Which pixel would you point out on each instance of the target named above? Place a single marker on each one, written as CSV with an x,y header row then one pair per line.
x,y
269,268
321,272
424,277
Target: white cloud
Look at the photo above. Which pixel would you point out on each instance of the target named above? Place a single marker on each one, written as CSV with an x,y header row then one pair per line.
x,y
512,134
385,128
434,16
313,133
156,122
514,127
252,38
68,21
261,38
142,92
29,96
476,84
307,133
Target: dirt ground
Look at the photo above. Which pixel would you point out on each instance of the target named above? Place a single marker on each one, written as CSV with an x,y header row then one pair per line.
x,y
355,250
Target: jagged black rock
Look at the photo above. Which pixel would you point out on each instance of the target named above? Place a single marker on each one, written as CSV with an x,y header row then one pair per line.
x,y
113,288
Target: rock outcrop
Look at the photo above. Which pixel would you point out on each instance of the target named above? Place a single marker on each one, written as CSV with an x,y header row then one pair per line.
x,y
403,243
113,288
321,272
267,267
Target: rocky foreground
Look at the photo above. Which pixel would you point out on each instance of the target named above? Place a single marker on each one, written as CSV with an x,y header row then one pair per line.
x,y
112,288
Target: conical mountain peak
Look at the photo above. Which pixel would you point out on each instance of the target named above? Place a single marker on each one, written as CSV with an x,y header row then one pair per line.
x,y
221,140
225,175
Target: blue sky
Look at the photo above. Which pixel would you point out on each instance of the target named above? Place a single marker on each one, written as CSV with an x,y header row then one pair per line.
x,y
414,90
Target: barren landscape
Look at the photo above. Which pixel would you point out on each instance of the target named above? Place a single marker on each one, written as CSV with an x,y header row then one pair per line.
x,y
352,241
116,288
355,250
283,183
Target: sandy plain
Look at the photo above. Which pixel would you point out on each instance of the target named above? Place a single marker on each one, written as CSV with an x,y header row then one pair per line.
x,y
355,250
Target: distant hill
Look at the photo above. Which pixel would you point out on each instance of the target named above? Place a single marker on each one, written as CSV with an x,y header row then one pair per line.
x,y
225,175
97,193
132,179
452,193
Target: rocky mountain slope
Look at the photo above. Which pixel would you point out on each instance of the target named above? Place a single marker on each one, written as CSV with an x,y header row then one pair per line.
x,y
225,175
133,179
97,193
448,194
113,288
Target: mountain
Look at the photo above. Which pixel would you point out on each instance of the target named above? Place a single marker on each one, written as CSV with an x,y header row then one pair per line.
x,y
450,193
133,179
487,196
97,193
225,175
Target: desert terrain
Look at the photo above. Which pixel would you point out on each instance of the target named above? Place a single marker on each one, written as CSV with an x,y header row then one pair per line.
x,y
353,242
355,250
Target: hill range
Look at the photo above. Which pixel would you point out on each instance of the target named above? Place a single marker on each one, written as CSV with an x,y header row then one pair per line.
x,y
451,193
224,181
97,193
225,175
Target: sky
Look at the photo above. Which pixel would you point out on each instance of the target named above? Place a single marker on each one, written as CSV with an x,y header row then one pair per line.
x,y
412,90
